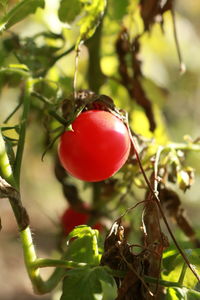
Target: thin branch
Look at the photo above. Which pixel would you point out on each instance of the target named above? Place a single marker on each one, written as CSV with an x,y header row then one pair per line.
x,y
156,163
156,174
130,208
78,50
182,67
13,112
64,53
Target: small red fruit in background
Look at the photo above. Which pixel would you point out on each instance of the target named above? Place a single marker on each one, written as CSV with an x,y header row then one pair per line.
x,y
72,218
96,148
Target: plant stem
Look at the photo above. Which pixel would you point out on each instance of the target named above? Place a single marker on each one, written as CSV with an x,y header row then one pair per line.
x,y
64,53
14,71
181,63
13,112
22,135
45,262
95,76
29,258
182,275
148,279
182,146
33,264
10,189
5,167
164,283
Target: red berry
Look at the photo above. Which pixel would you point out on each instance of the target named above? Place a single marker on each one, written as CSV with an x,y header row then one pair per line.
x,y
96,148
72,218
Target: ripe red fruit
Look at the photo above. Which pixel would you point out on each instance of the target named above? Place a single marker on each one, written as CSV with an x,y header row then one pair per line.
x,y
96,148
72,218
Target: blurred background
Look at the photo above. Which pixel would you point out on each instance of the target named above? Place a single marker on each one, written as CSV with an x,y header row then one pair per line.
x,y
176,104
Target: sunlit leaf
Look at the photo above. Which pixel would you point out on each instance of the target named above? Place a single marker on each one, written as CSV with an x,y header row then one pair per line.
x,y
140,124
87,13
172,266
83,246
19,12
182,294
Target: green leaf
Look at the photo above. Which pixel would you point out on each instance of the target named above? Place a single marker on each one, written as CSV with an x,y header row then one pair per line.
x,y
83,246
118,8
92,13
69,10
19,12
172,266
182,294
13,74
41,57
193,295
170,261
89,15
86,284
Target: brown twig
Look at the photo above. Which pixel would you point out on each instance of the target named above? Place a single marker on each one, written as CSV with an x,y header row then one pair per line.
x,y
7,191
181,63
132,207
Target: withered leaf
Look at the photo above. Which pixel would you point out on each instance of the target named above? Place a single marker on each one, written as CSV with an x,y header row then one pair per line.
x,y
171,202
131,79
152,11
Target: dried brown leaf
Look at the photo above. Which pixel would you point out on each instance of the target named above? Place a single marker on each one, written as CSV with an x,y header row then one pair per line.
x,y
131,75
171,202
152,11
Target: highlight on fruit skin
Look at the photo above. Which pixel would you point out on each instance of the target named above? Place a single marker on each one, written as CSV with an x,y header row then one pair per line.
x,y
97,146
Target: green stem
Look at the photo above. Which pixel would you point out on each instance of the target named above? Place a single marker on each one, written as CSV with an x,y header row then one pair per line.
x,y
164,283
5,167
95,76
14,71
182,275
33,264
58,118
21,216
22,135
29,258
148,279
182,146
13,112
64,53
52,112
62,263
